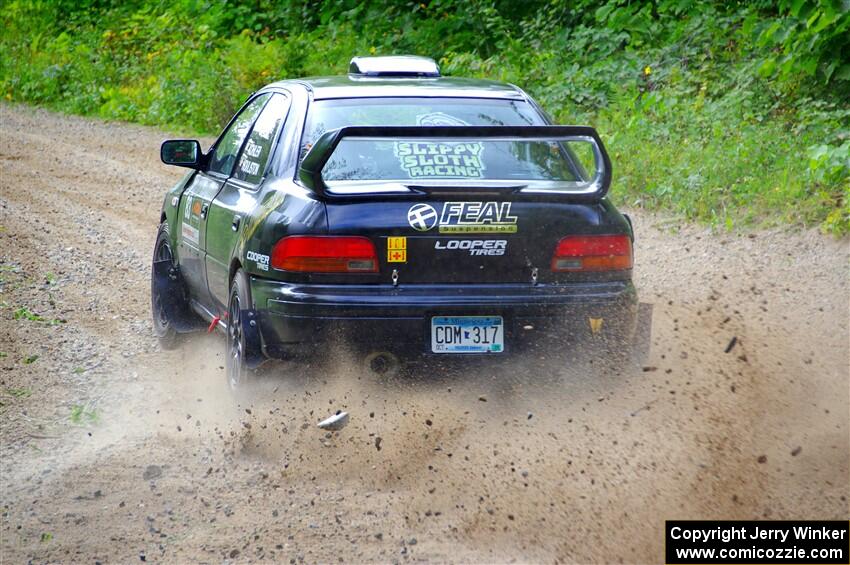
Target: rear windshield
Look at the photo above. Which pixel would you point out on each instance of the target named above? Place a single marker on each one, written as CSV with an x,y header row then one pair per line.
x,y
326,115
412,160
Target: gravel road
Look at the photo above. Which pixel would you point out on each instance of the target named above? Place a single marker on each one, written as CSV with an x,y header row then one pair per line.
x,y
112,450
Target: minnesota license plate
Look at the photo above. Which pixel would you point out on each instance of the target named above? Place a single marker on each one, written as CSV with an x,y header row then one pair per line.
x,y
467,334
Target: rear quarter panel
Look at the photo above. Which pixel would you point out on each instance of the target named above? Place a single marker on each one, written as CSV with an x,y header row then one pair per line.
x,y
283,209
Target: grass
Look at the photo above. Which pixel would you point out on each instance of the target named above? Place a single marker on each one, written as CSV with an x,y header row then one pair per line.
x,y
81,415
24,313
19,392
673,155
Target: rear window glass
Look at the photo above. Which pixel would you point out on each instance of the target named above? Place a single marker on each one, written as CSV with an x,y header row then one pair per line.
x,y
326,115
416,160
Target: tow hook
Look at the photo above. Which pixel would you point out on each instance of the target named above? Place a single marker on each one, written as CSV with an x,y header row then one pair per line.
x,y
534,276
395,277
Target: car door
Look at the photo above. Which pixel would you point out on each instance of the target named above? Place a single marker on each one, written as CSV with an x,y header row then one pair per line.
x,y
239,196
194,206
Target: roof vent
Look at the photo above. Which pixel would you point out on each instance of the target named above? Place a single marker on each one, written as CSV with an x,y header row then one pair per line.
x,y
394,66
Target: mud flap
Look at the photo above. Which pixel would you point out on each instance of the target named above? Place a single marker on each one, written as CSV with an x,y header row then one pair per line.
x,y
253,346
642,340
169,286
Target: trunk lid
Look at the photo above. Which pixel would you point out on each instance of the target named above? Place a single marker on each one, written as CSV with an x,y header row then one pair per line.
x,y
482,240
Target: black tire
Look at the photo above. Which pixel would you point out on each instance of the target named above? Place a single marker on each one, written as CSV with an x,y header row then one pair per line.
x,y
239,375
162,327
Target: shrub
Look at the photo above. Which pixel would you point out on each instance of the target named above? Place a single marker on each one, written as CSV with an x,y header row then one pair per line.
x,y
724,112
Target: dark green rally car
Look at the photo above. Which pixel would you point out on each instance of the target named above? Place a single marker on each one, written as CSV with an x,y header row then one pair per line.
x,y
399,212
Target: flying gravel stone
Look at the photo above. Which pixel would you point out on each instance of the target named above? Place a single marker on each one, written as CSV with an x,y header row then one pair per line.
x,y
335,422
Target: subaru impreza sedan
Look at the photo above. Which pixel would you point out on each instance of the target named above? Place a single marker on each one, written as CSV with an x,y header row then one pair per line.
x,y
398,211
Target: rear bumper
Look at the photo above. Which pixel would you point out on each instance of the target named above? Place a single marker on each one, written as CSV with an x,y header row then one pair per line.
x,y
295,316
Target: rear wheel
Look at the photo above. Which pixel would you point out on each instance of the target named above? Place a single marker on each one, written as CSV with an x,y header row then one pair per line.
x,y
163,328
239,375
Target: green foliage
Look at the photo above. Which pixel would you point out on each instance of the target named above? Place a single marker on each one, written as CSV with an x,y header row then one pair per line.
x,y
19,392
83,415
726,112
811,37
23,313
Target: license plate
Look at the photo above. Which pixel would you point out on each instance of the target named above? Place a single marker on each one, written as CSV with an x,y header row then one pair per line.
x,y
467,334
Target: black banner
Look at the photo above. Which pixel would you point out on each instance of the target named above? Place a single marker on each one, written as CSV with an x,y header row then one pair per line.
x,y
781,541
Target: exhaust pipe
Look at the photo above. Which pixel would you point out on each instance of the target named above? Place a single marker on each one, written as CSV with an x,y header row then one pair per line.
x,y
382,364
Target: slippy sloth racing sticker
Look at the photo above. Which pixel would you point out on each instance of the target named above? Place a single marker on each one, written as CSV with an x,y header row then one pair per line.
x,y
440,160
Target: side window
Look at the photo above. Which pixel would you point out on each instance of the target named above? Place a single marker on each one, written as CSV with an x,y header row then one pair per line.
x,y
224,155
258,149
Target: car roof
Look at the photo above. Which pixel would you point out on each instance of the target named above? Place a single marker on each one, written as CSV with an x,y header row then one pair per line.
x,y
353,86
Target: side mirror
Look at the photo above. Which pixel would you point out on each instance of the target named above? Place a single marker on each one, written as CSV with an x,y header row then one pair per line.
x,y
181,153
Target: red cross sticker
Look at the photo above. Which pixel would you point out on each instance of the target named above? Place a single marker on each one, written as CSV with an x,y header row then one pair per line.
x,y
397,250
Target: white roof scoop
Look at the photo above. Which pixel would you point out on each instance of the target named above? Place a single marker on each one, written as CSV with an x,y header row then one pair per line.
x,y
394,66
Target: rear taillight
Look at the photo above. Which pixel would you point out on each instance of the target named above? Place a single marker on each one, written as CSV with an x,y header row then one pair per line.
x,y
325,254
593,253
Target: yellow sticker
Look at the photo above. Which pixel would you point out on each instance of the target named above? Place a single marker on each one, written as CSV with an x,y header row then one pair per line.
x,y
595,325
396,255
396,250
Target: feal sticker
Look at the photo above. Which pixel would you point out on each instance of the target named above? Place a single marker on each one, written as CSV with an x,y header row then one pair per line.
x,y
396,250
438,159
463,217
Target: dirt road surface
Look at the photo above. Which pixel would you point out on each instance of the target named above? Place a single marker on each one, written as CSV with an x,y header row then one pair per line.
x,y
113,450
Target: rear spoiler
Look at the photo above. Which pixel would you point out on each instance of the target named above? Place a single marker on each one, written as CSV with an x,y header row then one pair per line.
x,y
310,172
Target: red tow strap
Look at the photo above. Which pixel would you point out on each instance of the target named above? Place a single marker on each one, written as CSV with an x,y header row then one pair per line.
x,y
215,321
